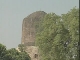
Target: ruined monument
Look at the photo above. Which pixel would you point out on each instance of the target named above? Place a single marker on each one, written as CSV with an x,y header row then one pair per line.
x,y
29,28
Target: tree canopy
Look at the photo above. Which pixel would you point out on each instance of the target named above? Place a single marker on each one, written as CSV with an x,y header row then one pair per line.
x,y
58,36
12,54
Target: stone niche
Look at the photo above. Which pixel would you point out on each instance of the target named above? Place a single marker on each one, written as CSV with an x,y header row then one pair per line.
x,y
29,27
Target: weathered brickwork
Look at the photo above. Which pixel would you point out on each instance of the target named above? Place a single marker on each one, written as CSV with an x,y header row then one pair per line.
x,y
29,32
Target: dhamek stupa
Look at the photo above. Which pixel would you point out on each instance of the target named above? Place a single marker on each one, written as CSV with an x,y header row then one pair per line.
x,y
29,28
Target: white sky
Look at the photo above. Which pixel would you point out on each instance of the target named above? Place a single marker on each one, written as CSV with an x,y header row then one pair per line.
x,y
12,13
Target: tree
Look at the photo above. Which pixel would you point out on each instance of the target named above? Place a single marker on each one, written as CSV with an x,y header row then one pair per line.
x,y
58,36
18,55
12,54
45,38
2,51
71,23
21,47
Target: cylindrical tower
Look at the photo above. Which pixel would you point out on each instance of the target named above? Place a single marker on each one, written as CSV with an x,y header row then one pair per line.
x,y
29,27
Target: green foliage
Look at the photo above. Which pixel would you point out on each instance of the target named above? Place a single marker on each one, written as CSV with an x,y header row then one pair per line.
x,y
2,51
12,54
58,36
72,24
21,47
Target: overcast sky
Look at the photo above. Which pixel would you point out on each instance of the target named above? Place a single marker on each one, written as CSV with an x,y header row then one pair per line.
x,y
12,13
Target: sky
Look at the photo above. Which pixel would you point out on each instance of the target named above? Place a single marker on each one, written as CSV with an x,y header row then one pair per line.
x,y
12,13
